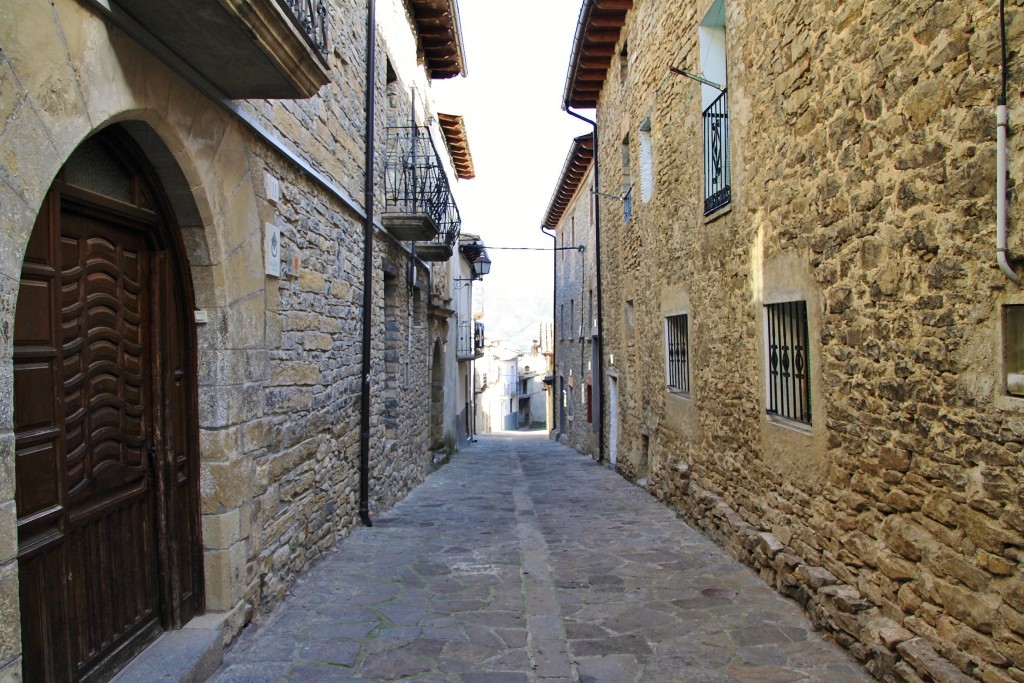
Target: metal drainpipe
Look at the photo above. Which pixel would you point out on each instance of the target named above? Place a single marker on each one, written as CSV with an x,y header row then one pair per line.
x,y
1001,250
368,200
597,268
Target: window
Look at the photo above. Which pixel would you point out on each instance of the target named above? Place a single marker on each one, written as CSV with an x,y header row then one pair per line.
x,y
677,337
1013,349
627,182
789,387
572,317
715,105
646,162
623,64
590,311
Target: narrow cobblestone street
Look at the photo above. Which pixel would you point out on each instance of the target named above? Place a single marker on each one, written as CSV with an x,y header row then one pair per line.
x,y
524,561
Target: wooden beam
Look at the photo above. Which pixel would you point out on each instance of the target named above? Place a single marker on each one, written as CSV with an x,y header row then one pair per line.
x,y
602,36
604,52
614,5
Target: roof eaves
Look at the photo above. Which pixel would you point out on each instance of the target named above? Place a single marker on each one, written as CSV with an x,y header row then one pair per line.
x,y
457,142
440,32
597,32
579,159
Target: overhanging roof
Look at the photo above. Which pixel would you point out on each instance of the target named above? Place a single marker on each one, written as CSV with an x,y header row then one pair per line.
x,y
437,22
454,129
581,156
597,33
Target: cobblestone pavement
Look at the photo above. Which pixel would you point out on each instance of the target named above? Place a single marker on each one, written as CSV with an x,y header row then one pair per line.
x,y
522,561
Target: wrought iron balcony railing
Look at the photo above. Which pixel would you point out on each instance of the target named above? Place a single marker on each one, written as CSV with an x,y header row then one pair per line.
x,y
311,16
419,205
717,176
470,340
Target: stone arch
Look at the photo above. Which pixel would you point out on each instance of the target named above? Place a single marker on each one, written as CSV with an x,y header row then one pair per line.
x,y
437,397
96,78
131,292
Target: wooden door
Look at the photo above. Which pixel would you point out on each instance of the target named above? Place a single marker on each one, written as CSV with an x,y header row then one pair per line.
x,y
106,514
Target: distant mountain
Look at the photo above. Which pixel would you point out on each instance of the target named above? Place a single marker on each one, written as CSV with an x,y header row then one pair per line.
x,y
514,312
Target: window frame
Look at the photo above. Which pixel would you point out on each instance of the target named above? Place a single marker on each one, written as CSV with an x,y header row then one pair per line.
x,y
788,395
678,369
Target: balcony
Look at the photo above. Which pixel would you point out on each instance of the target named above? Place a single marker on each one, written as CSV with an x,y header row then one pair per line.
x,y
419,206
717,177
248,49
470,341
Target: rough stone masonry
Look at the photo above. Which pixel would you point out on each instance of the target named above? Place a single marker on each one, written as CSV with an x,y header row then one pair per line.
x,y
861,140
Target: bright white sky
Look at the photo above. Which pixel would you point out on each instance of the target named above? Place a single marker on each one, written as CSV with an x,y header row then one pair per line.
x,y
518,54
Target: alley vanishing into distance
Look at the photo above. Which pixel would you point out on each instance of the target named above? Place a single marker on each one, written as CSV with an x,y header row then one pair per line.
x,y
522,560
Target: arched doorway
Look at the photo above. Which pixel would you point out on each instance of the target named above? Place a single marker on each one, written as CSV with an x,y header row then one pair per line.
x,y
436,398
105,423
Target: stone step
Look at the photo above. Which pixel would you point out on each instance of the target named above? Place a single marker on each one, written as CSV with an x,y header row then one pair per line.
x,y
189,655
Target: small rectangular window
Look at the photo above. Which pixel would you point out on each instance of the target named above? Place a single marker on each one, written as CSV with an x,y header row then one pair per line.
x,y
646,161
789,387
623,64
1013,349
572,317
627,182
677,337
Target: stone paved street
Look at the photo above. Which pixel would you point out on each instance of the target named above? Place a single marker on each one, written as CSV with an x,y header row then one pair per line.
x,y
524,561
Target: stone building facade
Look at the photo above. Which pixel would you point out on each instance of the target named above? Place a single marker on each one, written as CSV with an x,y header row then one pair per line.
x,y
470,267
570,218
182,280
814,358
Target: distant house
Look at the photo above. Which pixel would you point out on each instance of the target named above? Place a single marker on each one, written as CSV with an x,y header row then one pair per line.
x,y
571,218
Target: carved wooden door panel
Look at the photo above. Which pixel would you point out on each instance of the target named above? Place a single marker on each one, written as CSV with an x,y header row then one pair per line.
x,y
84,418
106,447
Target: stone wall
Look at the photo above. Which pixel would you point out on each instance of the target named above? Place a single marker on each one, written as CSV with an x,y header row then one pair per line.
x,y
863,174
576,293
403,458
279,359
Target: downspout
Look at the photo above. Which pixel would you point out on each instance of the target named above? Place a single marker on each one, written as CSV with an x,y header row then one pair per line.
x,y
597,268
368,203
1001,120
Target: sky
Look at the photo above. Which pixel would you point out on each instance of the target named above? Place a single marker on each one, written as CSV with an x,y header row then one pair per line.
x,y
517,54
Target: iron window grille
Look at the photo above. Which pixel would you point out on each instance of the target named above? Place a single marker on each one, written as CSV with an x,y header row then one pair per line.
x,y
470,340
311,16
717,176
415,181
677,332
789,387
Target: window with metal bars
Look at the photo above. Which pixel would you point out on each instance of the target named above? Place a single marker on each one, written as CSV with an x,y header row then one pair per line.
x,y
677,337
789,386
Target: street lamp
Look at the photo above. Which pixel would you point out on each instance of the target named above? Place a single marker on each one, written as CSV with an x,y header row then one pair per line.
x,y
479,264
482,266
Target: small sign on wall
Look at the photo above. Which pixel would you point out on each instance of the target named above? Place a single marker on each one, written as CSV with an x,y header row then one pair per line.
x,y
272,249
